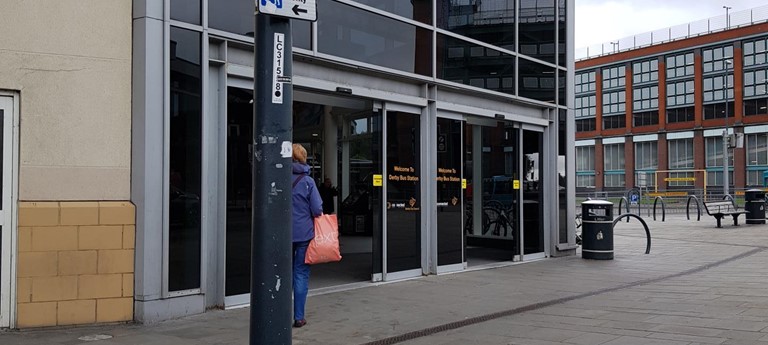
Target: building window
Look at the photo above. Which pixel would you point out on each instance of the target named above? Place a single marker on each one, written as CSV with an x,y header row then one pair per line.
x,y
645,98
680,158
614,102
646,162
585,166
585,106
680,93
645,71
715,90
714,58
757,158
586,125
614,121
613,165
185,169
755,52
756,91
680,66
684,114
614,77
585,82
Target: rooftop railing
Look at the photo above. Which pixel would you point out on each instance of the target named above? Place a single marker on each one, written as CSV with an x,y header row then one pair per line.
x,y
701,27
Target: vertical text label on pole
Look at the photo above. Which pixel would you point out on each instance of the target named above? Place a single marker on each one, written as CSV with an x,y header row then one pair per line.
x,y
277,68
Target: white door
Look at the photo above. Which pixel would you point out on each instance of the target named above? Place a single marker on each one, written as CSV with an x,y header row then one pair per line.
x,y
7,228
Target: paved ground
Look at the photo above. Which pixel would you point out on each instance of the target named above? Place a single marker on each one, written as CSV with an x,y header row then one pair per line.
x,y
699,285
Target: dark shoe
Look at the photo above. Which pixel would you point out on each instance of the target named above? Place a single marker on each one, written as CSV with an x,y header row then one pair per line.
x,y
299,323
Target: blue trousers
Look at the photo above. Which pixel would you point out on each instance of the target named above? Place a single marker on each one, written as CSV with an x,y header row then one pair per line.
x,y
300,279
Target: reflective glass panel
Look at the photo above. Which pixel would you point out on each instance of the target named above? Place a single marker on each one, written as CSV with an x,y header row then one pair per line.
x,y
450,239
533,238
562,34
355,34
492,70
239,182
404,200
236,16
536,81
420,10
537,29
187,10
490,21
185,161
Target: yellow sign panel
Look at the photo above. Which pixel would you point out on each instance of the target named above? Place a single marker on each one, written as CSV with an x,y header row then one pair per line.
x,y
378,180
463,183
680,179
516,184
653,195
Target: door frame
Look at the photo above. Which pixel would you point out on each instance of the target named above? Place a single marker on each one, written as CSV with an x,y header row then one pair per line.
x,y
521,128
426,199
8,239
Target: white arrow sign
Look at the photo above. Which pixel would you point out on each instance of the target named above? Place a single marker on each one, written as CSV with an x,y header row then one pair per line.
x,y
296,9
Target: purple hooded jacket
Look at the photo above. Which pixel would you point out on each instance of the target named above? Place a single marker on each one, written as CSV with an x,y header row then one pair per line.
x,y
307,203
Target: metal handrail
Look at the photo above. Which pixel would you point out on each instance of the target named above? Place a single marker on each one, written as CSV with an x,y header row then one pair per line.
x,y
647,231
688,205
663,209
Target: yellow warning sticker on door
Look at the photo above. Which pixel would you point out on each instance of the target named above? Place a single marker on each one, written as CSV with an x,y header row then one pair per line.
x,y
463,183
378,180
516,184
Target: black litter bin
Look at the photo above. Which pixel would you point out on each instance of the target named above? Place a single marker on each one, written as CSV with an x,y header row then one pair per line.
x,y
597,230
754,203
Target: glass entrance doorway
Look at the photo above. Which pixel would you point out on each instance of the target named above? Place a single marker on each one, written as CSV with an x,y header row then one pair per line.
x,y
404,202
450,198
492,171
343,140
7,229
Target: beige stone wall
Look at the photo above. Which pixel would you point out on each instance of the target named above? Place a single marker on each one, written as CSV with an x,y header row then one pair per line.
x,y
75,263
70,61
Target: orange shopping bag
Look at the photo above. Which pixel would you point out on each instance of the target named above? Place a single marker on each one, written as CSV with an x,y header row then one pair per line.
x,y
325,246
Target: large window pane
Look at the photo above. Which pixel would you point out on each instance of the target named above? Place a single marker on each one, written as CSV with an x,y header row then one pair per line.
x,y
487,21
450,235
562,34
355,34
536,81
420,10
185,161
189,10
236,16
470,64
537,29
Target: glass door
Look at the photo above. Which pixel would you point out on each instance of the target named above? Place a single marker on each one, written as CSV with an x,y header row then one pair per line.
x,y
403,195
450,203
6,204
238,163
533,222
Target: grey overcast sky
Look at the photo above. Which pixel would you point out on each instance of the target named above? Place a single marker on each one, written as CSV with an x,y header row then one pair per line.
x,y
601,21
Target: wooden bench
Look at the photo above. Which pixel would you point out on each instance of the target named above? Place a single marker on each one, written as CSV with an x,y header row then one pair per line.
x,y
720,209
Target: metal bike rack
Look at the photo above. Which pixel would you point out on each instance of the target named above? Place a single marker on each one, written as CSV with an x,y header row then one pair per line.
x,y
647,232
663,209
624,201
688,206
729,197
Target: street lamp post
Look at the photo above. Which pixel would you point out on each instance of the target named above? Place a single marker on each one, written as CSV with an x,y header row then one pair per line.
x,y
726,181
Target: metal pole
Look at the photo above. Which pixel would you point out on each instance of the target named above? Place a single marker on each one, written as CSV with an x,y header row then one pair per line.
x,y
726,178
271,240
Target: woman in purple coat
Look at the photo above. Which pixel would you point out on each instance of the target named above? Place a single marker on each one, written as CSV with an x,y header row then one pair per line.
x,y
307,205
